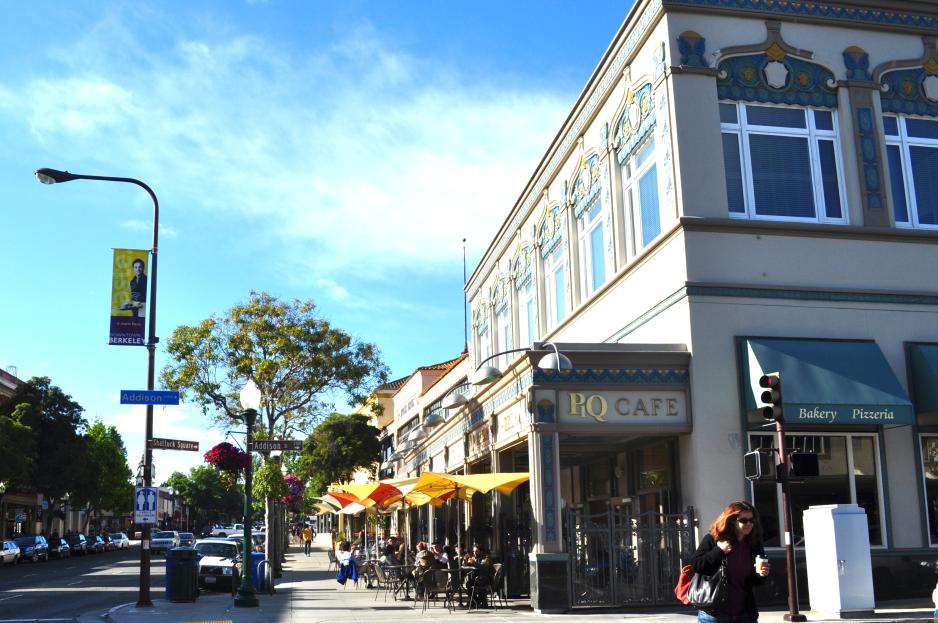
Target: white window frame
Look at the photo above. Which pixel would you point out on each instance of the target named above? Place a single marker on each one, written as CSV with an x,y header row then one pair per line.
x,y
556,261
585,228
527,301
921,437
742,129
880,492
484,341
904,142
503,336
631,198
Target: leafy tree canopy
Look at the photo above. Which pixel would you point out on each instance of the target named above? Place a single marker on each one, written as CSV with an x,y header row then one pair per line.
x,y
56,423
106,484
205,492
340,445
295,357
16,448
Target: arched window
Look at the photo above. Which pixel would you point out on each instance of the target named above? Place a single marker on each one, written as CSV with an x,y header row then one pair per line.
x,y
525,294
554,258
591,235
781,147
501,307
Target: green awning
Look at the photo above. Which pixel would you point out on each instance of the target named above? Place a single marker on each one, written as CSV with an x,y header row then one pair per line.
x,y
923,359
827,382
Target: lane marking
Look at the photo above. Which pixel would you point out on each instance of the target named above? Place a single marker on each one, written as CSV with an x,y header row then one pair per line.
x,y
10,597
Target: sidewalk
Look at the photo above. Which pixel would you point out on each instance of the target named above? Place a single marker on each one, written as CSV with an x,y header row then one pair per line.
x,y
307,592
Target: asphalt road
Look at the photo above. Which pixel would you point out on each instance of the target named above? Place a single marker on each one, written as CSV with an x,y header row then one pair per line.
x,y
64,589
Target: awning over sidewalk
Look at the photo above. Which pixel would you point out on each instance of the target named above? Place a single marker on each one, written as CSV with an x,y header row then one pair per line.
x,y
827,382
923,359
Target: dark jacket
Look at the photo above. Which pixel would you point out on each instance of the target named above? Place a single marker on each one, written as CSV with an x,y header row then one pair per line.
x,y
708,558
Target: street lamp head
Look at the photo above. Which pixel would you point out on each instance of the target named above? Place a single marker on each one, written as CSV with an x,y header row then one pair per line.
x,y
485,375
250,396
453,401
555,360
433,420
54,176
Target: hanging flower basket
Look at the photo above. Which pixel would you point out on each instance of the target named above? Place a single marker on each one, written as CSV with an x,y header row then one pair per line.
x,y
294,489
227,458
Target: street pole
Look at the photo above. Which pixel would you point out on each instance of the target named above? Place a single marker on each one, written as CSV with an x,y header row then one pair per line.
x,y
53,176
782,473
246,597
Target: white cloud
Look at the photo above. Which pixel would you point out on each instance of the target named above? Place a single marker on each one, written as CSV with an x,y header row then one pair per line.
x,y
353,143
147,227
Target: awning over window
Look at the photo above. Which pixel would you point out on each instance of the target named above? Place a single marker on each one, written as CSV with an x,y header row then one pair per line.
x,y
923,358
827,382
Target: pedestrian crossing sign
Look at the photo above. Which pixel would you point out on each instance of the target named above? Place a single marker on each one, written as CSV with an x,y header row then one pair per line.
x,y
145,500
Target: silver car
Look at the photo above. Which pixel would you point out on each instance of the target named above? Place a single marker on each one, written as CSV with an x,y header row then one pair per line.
x,y
10,554
119,539
186,539
163,541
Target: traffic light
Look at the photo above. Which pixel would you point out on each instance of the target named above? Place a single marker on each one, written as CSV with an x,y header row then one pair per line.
x,y
759,464
772,396
803,465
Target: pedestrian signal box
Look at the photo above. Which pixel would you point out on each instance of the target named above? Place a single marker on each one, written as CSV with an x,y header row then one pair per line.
x,y
760,464
803,465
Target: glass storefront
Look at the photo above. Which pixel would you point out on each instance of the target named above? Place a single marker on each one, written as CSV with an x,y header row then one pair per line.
x,y
849,474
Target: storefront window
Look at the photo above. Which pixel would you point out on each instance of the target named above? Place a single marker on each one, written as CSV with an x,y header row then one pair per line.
x,y
849,474
930,469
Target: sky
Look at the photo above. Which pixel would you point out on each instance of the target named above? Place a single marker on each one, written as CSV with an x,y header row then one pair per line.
x,y
333,151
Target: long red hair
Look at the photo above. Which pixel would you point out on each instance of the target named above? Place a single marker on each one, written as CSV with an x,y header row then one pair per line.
x,y
723,527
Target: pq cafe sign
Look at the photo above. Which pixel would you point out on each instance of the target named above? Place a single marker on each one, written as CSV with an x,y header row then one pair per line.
x,y
635,408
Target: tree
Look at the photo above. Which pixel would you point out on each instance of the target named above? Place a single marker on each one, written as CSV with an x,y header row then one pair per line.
x,y
107,481
16,448
57,425
206,494
340,445
296,358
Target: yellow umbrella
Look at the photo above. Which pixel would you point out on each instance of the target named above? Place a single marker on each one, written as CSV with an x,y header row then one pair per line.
x,y
505,482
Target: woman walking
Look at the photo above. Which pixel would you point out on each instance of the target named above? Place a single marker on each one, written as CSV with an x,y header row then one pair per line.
x,y
736,538
307,539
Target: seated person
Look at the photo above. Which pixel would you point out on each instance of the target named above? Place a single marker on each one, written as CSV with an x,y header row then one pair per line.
x,y
439,554
481,562
348,563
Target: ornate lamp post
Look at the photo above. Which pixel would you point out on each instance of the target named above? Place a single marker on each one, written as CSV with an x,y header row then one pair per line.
x,y
53,176
250,401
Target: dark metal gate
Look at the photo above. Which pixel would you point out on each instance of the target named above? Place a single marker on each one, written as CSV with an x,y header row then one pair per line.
x,y
621,559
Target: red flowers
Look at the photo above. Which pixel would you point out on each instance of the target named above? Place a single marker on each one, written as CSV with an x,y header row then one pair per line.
x,y
228,458
294,489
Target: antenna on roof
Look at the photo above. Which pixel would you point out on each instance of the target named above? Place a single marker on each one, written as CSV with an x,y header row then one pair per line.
x,y
465,302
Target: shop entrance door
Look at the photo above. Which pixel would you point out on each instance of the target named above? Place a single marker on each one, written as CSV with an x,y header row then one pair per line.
x,y
622,559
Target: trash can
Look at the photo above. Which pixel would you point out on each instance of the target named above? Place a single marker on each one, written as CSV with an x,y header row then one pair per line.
x,y
256,559
182,574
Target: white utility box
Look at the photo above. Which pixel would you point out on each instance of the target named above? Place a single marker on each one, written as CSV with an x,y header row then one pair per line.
x,y
837,551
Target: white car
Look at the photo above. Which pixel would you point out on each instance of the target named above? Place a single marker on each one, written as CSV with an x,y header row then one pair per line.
x,y
119,539
163,541
220,564
10,553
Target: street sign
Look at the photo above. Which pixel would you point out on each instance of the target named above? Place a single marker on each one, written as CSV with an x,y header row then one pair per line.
x,y
267,445
173,444
148,397
145,499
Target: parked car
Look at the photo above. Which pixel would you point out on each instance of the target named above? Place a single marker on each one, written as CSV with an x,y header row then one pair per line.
x,y
33,547
119,539
10,554
220,564
59,548
228,530
186,539
78,543
95,544
163,541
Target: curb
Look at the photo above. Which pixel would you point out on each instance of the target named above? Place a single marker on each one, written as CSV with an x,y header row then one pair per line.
x,y
107,615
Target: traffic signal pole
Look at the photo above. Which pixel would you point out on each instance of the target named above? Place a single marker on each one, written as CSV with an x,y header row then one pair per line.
x,y
772,398
781,473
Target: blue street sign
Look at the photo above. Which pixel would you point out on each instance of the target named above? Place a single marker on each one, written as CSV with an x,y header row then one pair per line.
x,y
148,397
145,500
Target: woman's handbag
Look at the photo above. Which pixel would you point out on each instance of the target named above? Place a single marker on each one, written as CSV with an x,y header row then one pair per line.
x,y
708,592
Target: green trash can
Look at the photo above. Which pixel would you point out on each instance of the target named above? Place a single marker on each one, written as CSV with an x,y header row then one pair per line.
x,y
182,574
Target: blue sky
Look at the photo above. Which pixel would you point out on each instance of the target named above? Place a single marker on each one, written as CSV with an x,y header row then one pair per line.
x,y
338,151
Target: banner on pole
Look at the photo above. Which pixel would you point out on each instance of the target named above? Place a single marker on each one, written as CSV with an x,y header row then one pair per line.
x,y
129,297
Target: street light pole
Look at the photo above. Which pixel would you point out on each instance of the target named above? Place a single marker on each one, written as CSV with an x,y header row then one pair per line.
x,y
250,401
53,176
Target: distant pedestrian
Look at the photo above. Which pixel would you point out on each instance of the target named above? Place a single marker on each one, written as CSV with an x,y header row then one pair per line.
x,y
307,539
